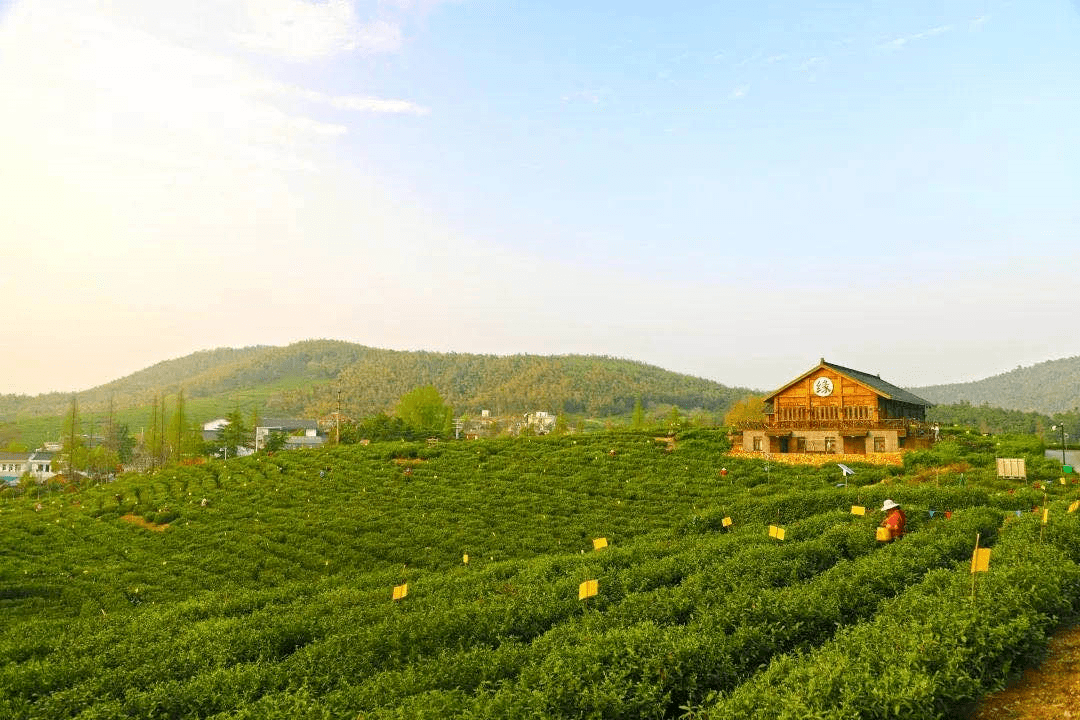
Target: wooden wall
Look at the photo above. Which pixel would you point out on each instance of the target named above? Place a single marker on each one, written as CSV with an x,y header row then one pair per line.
x,y
849,400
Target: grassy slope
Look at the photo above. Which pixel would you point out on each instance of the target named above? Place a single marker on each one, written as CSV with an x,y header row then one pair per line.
x,y
273,598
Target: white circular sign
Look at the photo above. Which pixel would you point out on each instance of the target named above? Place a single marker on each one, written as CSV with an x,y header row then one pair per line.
x,y
823,386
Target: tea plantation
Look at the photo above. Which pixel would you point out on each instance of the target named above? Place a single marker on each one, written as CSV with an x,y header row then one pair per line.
x,y
262,587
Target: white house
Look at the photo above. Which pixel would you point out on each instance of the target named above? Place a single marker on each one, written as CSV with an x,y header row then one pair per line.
x,y
39,464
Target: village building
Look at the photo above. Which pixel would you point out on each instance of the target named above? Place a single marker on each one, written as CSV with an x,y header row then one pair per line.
x,y
37,464
834,409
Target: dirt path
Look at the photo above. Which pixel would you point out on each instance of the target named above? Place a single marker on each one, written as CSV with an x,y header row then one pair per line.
x,y
1048,692
136,520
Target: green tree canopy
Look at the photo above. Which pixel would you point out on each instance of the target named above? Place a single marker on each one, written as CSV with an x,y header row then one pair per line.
x,y
236,433
423,410
749,409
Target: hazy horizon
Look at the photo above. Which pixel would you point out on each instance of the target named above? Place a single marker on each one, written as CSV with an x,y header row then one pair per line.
x,y
730,192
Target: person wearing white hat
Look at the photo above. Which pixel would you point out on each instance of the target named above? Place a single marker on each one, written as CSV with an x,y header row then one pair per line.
x,y
895,521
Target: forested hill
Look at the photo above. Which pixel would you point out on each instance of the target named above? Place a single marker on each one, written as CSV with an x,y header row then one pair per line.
x,y
591,385
1048,387
306,378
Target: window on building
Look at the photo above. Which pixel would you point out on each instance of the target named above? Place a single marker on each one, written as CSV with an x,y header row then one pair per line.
x,y
830,444
800,444
879,444
757,444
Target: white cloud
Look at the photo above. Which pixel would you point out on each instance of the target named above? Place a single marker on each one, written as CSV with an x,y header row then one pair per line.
x,y
899,42
301,30
739,92
365,103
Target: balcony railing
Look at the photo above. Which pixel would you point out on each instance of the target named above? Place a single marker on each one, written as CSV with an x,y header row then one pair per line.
x,y
911,425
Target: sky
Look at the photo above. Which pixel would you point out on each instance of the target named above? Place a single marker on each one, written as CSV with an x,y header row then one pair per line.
x,y
729,190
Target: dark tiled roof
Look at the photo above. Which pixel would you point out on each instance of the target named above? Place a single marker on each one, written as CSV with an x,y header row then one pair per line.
x,y
885,388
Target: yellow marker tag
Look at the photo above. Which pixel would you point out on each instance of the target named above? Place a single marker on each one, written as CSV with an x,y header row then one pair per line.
x,y
1062,480
586,589
465,558
780,532
1046,515
726,522
858,510
599,543
884,534
776,532
980,560
772,531
1075,506
401,591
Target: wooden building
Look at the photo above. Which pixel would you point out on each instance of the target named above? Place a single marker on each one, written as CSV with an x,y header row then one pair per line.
x,y
834,409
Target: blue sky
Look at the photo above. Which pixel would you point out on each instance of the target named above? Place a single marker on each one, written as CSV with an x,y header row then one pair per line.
x,y
731,190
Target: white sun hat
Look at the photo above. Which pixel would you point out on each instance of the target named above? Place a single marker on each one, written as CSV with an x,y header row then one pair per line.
x,y
889,505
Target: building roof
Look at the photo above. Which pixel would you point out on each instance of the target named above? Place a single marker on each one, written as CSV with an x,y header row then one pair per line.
x,y
10,457
885,389
288,424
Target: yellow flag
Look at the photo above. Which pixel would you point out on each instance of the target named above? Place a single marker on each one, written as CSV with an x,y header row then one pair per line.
x,y
1046,515
858,510
1075,506
401,591
726,522
776,532
586,589
980,560
884,534
599,543
465,558
780,532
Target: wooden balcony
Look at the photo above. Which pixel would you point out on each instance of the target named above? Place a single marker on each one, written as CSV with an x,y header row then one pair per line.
x,y
906,426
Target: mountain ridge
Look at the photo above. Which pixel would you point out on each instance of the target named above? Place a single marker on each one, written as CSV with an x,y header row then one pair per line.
x,y
312,376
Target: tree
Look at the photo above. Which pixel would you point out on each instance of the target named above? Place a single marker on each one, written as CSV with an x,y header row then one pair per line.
x,y
423,410
234,434
674,419
153,439
377,428
749,409
73,440
120,441
638,420
274,441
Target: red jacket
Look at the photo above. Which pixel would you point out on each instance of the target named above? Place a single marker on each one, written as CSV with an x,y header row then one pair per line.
x,y
896,521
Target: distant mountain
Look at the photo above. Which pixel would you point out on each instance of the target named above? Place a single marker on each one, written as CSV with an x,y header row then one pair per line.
x,y
311,377
1048,387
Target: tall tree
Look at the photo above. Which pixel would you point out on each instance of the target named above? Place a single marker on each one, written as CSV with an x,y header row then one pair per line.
x,y
73,441
423,410
178,433
235,434
749,409
638,420
152,437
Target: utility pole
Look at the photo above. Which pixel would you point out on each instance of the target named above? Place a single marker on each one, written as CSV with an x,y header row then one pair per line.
x,y
337,420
